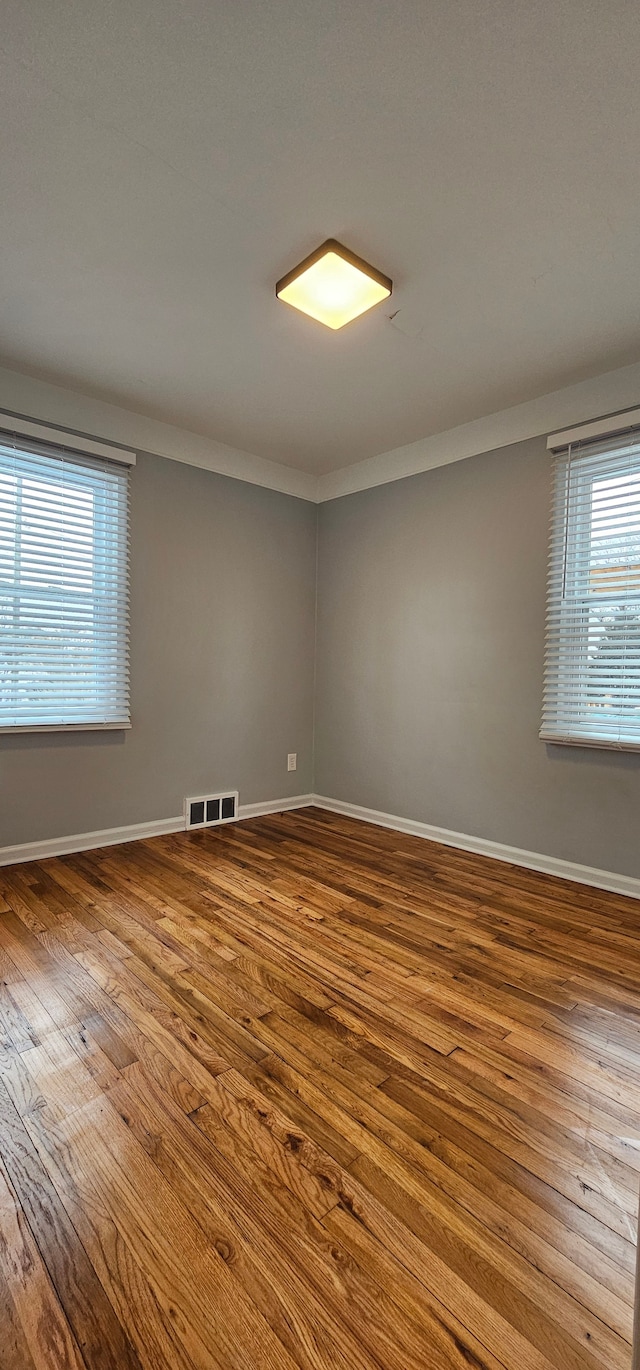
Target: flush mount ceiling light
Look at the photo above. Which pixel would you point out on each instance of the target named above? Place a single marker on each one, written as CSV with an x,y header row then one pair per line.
x,y
333,285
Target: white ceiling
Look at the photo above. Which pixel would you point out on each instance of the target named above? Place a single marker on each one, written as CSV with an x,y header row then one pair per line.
x,y
164,162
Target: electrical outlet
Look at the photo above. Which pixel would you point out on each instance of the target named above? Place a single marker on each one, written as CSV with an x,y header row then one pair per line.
x,y
292,761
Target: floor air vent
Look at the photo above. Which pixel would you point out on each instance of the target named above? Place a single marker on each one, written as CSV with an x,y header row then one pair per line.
x,y
209,810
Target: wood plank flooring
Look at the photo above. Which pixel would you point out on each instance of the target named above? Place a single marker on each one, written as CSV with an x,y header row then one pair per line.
x,y
302,1092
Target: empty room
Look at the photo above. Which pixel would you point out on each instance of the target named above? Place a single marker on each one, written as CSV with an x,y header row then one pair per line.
x,y
319,685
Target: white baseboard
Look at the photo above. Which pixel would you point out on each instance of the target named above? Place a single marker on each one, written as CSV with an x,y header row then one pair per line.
x,y
86,841
549,865
297,801
534,861
110,837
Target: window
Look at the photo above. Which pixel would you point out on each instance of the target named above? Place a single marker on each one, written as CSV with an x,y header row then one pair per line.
x,y
592,674
64,611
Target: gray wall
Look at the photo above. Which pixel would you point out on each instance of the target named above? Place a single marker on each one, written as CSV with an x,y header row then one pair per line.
x,y
429,667
222,641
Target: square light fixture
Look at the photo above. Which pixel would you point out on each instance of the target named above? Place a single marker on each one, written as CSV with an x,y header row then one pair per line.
x,y
333,285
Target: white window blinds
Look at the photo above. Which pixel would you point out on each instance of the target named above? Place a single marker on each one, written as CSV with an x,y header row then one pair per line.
x,y
64,588
592,662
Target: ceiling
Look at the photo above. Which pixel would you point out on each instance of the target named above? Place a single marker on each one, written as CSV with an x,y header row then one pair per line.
x,y
164,163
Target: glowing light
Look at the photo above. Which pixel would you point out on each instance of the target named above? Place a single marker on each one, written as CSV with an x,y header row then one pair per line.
x,y
333,286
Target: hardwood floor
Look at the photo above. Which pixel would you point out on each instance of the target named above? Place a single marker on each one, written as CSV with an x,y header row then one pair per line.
x,y
302,1092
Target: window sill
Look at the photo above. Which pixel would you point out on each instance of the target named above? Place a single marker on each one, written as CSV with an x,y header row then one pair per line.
x,y
587,740
10,729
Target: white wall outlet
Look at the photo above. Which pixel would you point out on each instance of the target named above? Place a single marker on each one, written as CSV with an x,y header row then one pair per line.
x,y
292,761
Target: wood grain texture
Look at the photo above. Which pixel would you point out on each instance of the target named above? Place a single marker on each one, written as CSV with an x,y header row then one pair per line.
x,y
303,1092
